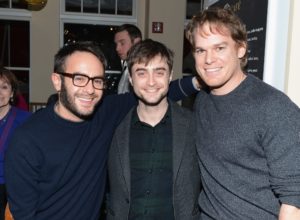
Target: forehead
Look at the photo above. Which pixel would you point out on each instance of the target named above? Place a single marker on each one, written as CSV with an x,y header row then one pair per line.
x,y
211,34
208,29
123,35
84,62
156,62
3,79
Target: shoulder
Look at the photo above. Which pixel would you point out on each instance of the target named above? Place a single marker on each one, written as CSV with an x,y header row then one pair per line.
x,y
267,97
126,121
30,121
21,115
202,95
180,115
118,102
22,112
264,105
176,107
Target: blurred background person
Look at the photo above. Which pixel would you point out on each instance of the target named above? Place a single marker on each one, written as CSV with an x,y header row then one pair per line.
x,y
126,36
10,118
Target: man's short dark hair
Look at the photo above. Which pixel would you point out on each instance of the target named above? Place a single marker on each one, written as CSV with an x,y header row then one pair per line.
x,y
146,50
83,46
133,31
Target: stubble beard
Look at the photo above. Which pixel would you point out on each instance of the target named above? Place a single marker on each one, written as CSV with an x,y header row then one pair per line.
x,y
67,102
147,103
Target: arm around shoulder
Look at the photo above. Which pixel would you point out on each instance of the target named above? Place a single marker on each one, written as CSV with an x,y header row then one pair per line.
x,y
181,88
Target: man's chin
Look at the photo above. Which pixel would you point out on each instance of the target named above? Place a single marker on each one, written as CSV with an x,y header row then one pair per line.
x,y
84,114
153,102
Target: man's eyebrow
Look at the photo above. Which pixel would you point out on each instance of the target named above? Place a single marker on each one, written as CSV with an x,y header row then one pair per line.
x,y
223,43
160,68
140,68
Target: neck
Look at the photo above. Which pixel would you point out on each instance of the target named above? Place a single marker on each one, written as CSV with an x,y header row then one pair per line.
x,y
65,113
230,85
4,110
152,115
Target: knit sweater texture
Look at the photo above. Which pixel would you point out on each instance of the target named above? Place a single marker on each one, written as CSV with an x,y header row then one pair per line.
x,y
56,169
248,143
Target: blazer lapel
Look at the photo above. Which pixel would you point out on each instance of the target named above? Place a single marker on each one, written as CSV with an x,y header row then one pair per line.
x,y
123,146
179,128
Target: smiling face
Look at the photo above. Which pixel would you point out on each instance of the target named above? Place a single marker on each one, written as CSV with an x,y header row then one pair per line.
x,y
217,59
151,81
5,94
78,103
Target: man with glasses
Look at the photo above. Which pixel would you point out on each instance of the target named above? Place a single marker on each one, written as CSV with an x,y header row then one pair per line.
x,y
55,166
81,80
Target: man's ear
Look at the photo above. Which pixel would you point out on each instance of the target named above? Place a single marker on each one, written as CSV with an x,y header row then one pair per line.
x,y
171,76
130,79
56,80
136,40
241,51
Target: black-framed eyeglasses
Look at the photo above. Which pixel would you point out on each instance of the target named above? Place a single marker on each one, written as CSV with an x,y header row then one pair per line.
x,y
81,80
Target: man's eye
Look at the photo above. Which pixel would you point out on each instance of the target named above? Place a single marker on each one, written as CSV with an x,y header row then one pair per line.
x,y
199,51
220,48
80,78
140,73
98,81
160,73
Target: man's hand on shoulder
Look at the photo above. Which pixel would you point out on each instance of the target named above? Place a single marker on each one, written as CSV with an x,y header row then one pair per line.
x,y
289,212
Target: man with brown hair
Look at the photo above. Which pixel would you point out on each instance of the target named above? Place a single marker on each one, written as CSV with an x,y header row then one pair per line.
x,y
153,169
247,131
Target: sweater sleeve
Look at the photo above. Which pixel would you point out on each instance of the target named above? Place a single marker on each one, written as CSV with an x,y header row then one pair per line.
x,y
281,142
21,174
181,88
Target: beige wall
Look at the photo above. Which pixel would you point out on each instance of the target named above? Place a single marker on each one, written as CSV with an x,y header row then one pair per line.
x,y
292,84
45,41
171,13
173,24
142,16
44,44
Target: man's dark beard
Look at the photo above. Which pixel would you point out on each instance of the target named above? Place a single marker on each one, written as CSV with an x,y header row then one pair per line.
x,y
63,96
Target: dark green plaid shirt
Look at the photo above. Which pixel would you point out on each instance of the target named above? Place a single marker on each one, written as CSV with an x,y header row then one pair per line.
x,y
151,169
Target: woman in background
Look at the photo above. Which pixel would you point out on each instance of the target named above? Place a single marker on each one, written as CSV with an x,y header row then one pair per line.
x,y
10,118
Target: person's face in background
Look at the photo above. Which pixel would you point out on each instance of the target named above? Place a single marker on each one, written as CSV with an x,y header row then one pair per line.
x,y
151,81
77,103
5,93
123,43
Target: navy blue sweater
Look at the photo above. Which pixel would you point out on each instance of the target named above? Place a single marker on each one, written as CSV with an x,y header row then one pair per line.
x,y
56,169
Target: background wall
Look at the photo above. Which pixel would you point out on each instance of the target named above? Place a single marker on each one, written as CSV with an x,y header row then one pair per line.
x,y
45,41
171,13
292,81
44,44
